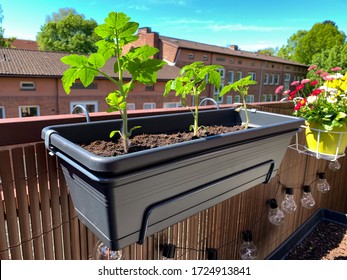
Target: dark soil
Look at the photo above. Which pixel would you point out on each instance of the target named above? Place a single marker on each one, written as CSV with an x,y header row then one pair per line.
x,y
149,141
328,241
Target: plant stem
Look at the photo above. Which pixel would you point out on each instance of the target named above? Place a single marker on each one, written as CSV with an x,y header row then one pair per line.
x,y
196,114
245,108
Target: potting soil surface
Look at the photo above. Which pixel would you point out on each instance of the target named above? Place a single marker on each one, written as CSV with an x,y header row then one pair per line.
x,y
149,141
328,241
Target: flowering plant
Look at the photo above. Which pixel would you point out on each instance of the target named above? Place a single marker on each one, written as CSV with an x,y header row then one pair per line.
x,y
321,99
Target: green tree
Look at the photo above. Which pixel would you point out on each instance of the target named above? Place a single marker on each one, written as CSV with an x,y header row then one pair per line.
x,y
322,36
268,51
334,57
3,42
68,31
288,51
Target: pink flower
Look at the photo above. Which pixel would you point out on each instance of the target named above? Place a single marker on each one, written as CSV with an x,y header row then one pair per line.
x,y
328,78
318,71
286,92
305,81
312,67
295,83
279,89
324,74
336,69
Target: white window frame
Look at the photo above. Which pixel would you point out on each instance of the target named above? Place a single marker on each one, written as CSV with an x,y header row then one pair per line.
x,y
221,72
269,98
2,109
229,99
84,104
191,56
131,106
263,98
277,79
231,77
172,105
149,105
237,99
249,98
266,79
287,77
28,106
26,85
238,75
253,75
272,79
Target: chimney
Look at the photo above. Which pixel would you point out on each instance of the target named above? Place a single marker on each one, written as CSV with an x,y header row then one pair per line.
x,y
234,47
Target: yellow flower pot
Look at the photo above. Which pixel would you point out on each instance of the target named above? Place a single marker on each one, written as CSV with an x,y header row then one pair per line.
x,y
324,142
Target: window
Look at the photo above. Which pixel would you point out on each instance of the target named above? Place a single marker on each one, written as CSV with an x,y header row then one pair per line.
x,y
249,98
79,85
231,60
130,106
149,106
205,57
221,72
231,77
2,112
219,58
269,97
238,75
287,77
172,104
29,111
239,62
253,75
229,99
191,56
91,106
27,86
272,79
216,92
237,99
266,79
149,88
277,79
263,98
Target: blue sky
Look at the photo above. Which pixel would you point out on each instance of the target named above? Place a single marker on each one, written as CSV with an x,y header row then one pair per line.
x,y
250,24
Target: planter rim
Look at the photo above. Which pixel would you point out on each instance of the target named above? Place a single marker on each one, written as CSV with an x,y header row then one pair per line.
x,y
57,144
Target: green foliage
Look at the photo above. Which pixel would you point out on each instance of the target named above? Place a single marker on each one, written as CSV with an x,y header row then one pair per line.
x,y
241,86
116,32
193,81
288,51
267,51
303,46
68,31
334,57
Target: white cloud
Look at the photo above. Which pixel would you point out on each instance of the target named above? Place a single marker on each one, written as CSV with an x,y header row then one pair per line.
x,y
240,27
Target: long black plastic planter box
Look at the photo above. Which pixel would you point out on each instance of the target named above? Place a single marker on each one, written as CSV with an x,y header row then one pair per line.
x,y
305,229
122,199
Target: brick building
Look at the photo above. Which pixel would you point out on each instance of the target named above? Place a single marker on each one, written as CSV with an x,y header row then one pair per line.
x,y
30,80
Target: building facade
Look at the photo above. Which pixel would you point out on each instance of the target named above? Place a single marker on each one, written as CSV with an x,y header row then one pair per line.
x,y
30,80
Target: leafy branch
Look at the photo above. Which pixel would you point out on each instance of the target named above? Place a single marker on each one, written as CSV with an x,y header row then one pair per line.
x,y
116,32
242,87
193,80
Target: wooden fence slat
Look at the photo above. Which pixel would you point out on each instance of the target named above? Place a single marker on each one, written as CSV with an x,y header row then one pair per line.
x,y
22,202
4,253
34,200
10,204
55,206
45,202
65,215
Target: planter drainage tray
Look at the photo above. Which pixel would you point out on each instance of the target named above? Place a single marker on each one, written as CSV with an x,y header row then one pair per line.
x,y
321,215
122,199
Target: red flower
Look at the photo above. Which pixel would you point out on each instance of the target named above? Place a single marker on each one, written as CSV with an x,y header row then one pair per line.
x,y
313,83
316,91
300,87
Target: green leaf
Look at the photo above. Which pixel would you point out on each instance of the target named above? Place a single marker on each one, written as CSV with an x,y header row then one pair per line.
x,y
74,60
96,60
69,77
